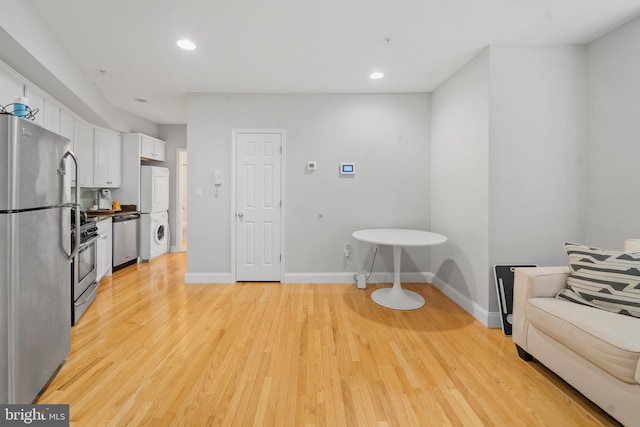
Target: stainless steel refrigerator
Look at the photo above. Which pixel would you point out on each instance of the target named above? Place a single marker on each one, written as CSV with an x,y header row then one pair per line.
x,y
35,253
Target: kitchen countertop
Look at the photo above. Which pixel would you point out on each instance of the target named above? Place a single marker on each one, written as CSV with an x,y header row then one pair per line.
x,y
98,216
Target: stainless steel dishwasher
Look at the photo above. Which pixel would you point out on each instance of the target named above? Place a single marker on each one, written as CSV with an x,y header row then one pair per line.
x,y
125,240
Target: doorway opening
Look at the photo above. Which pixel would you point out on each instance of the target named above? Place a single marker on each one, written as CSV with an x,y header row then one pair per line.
x,y
181,200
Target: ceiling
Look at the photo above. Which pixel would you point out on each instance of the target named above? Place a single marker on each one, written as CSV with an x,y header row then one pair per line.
x,y
301,46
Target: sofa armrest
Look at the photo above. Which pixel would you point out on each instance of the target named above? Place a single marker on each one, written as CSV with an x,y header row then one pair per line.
x,y
532,282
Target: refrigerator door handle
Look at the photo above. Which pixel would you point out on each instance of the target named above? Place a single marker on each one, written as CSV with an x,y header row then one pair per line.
x,y
62,170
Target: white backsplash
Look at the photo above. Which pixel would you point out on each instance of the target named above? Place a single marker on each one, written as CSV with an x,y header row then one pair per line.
x,y
88,198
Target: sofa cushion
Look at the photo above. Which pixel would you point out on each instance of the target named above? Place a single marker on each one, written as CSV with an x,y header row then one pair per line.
x,y
607,279
608,340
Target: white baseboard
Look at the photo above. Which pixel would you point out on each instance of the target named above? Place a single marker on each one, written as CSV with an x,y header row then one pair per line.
x,y
341,277
419,277
318,278
213,278
488,319
494,320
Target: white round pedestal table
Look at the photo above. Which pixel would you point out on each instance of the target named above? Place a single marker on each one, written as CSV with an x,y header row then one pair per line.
x,y
396,297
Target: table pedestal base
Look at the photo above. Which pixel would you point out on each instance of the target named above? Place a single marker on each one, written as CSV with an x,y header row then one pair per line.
x,y
397,298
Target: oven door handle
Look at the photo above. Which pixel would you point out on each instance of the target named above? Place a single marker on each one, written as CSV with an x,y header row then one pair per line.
x,y
62,171
90,292
88,242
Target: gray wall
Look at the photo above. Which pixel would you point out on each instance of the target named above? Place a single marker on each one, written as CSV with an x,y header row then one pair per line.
x,y
614,137
175,137
460,183
509,163
538,159
385,135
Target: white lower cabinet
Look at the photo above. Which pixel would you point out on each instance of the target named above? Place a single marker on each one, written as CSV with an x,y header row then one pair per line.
x,y
105,248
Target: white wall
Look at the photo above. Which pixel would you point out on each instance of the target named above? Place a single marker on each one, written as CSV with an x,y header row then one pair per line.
x,y
538,157
614,137
175,137
385,135
460,183
509,166
125,122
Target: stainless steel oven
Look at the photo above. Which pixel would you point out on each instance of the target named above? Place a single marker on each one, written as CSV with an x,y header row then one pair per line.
x,y
84,271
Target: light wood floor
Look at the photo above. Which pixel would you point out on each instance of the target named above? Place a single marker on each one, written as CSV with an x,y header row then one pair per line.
x,y
154,351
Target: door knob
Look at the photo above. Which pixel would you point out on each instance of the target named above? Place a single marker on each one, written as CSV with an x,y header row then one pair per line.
x,y
240,214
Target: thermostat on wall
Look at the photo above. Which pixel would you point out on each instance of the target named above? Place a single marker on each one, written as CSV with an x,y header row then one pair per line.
x,y
347,168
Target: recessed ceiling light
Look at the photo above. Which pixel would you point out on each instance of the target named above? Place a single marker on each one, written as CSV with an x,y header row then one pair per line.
x,y
186,44
377,75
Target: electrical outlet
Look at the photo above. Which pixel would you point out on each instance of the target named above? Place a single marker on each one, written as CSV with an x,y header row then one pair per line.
x,y
347,250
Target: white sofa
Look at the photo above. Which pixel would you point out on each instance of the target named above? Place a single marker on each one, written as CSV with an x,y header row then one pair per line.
x,y
596,351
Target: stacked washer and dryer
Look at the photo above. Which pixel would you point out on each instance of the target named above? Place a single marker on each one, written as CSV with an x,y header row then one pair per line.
x,y
154,215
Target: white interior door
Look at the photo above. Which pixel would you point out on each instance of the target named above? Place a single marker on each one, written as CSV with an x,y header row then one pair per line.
x,y
258,205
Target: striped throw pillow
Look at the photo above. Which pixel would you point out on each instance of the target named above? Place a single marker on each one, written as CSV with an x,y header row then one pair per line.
x,y
609,280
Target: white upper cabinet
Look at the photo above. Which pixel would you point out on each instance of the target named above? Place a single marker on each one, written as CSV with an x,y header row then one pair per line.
x,y
151,148
83,149
48,114
137,148
10,88
107,168
66,130
51,115
66,125
36,102
99,151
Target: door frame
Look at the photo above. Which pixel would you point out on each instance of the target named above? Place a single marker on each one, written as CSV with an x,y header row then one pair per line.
x,y
179,195
234,200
